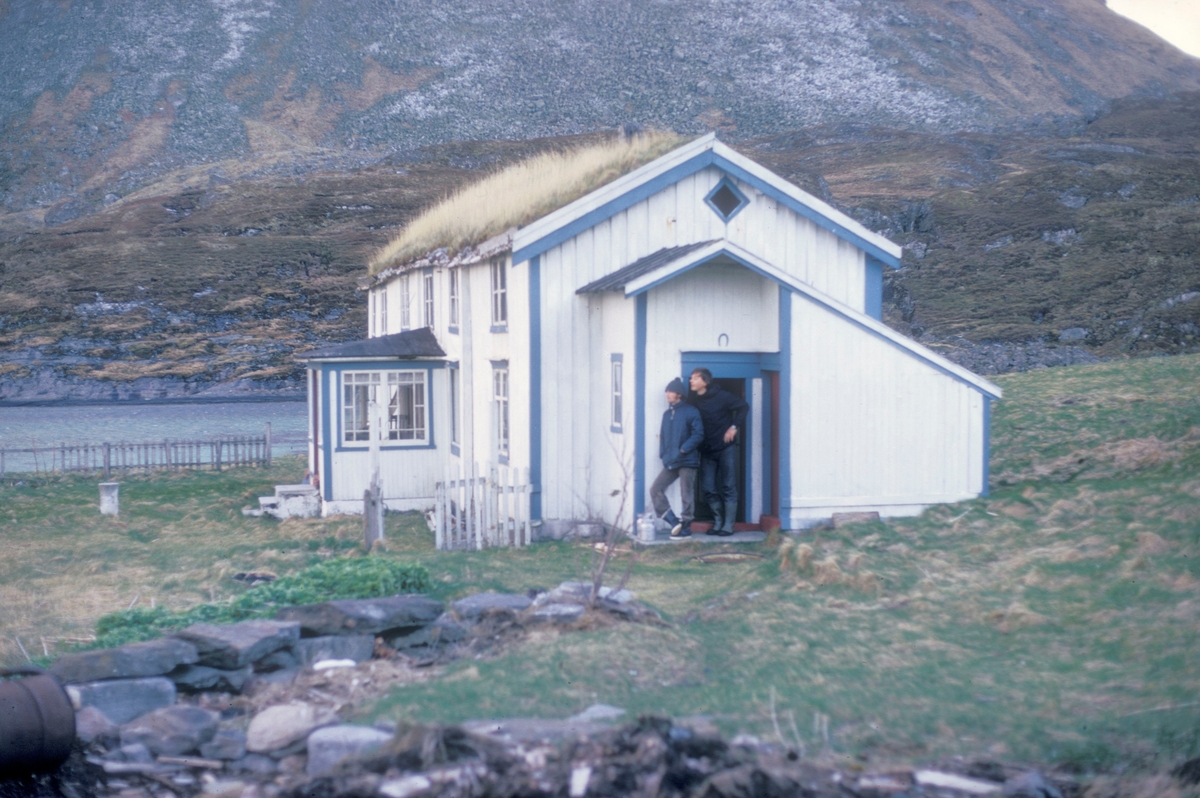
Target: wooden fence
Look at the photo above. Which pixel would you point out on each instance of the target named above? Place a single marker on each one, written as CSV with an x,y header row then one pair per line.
x,y
213,454
475,508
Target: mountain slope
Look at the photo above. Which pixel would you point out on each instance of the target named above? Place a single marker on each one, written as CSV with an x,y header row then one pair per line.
x,y
97,100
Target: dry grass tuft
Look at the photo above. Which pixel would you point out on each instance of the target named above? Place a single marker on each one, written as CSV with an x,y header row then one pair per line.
x,y
520,194
794,555
827,572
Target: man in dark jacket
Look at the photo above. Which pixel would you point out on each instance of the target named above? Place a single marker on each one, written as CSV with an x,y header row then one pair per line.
x,y
723,415
678,439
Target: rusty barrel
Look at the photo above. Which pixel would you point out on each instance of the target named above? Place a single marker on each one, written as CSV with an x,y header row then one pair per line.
x,y
37,722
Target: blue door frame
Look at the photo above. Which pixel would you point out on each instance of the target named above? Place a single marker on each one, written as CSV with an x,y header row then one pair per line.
x,y
747,366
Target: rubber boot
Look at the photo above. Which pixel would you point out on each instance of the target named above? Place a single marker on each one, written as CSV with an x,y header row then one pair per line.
x,y
726,528
718,518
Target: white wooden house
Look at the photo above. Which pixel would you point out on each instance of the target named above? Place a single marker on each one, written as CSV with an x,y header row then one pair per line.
x,y
548,348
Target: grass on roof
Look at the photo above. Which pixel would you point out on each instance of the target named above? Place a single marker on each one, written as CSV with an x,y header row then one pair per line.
x,y
520,194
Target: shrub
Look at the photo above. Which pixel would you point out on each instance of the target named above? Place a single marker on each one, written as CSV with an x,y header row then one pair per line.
x,y
347,577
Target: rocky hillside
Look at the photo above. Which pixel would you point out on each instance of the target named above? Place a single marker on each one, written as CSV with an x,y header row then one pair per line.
x,y
189,196
97,100
1021,250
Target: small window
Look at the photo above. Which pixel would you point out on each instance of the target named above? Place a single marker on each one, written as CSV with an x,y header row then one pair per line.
x,y
405,303
500,404
454,298
726,200
499,294
429,299
618,390
454,402
383,319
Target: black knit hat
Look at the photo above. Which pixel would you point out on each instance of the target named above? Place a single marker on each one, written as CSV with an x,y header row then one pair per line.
x,y
676,386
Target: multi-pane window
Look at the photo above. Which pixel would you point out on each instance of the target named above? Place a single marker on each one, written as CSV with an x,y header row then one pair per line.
x,y
454,400
406,405
405,303
404,393
358,389
500,404
618,390
454,297
429,299
382,304
499,294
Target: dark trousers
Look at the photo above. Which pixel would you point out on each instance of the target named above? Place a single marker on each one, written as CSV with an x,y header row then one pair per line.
x,y
718,478
687,492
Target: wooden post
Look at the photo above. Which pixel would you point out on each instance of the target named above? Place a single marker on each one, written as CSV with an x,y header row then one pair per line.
x,y
268,445
217,458
373,496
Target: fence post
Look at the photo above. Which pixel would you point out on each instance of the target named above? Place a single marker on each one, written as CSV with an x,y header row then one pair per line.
x,y
217,458
268,443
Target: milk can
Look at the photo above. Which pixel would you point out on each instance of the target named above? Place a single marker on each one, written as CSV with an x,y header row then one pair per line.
x,y
645,528
37,721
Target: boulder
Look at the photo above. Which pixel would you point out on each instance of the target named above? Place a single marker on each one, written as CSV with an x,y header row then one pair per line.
x,y
194,678
152,658
440,632
93,726
277,727
472,607
558,613
225,744
254,763
362,616
280,660
328,746
122,700
172,731
237,645
581,592
359,648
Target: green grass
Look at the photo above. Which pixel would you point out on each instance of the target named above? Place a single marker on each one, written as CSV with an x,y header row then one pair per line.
x,y
1056,621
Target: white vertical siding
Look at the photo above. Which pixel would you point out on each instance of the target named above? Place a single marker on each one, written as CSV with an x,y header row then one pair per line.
x,y
872,425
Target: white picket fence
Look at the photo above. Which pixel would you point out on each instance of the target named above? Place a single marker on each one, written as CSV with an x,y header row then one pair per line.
x,y
482,507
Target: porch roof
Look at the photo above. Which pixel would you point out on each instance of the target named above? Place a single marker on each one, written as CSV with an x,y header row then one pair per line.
x,y
621,277
408,345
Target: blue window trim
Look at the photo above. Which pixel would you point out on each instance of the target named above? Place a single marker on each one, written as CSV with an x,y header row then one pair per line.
x,y
674,175
453,330
873,293
743,200
392,365
453,365
502,459
535,387
616,426
498,328
639,407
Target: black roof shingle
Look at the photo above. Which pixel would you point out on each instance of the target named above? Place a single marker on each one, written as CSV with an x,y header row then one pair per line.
x,y
618,279
407,345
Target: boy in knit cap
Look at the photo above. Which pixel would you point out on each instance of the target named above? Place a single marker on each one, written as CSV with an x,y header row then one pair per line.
x,y
678,446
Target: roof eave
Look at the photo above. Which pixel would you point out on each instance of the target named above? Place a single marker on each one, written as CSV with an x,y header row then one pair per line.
x,y
439,259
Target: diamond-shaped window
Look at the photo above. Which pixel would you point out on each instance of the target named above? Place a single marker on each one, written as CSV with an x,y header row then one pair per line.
x,y
726,200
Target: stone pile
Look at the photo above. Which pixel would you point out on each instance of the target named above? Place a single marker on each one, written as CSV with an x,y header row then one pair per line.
x,y
163,711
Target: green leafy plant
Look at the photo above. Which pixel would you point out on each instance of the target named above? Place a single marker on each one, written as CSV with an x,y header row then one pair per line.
x,y
347,577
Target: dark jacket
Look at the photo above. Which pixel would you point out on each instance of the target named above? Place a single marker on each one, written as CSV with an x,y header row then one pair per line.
x,y
680,435
719,410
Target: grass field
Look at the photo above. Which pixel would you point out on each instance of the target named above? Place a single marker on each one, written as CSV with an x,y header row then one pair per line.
x,y
1056,621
